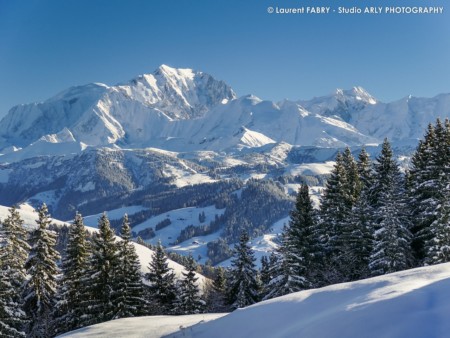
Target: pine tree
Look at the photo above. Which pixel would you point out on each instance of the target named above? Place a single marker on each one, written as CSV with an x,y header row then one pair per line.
x,y
265,276
13,255
423,191
41,266
353,182
359,235
334,203
162,290
243,286
12,317
73,290
300,250
438,245
429,175
102,279
341,191
130,289
189,297
365,170
392,248
215,292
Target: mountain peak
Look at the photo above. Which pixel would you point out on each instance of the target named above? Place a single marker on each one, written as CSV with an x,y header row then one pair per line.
x,y
168,71
356,93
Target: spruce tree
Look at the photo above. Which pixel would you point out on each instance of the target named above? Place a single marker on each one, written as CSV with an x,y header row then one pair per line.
x,y
265,276
392,247
73,288
243,287
130,289
422,193
12,317
215,292
359,231
353,182
40,288
429,175
189,295
341,191
438,245
162,289
102,279
13,255
300,250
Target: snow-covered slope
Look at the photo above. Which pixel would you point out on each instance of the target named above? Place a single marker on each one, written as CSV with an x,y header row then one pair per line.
x,y
412,303
406,304
141,327
29,216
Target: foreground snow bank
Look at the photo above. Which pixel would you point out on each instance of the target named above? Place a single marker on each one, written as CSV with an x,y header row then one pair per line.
x,y
413,304
141,327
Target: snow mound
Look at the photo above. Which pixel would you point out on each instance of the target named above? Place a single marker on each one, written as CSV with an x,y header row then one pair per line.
x,y
141,327
412,303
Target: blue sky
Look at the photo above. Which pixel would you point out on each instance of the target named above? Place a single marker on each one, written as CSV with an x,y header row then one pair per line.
x,y
47,46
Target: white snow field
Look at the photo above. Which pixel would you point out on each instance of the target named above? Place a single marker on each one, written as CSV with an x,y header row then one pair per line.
x,y
408,304
141,327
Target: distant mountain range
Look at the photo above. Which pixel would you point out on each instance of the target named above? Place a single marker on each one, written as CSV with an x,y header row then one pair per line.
x,y
184,110
179,138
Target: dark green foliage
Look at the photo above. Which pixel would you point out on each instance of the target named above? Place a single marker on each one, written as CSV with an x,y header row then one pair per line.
x,y
13,255
163,224
102,282
189,301
261,204
12,317
215,292
130,295
146,234
429,179
243,287
162,290
218,251
438,246
40,288
299,252
357,233
392,248
335,211
72,288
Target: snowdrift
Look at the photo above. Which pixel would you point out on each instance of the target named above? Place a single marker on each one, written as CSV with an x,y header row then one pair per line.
x,y
413,303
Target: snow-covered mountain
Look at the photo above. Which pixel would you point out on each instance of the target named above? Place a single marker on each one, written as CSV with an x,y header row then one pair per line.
x,y
184,110
97,114
412,303
178,140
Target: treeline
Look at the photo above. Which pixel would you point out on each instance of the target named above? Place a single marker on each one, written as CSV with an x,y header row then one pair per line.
x,y
98,279
373,220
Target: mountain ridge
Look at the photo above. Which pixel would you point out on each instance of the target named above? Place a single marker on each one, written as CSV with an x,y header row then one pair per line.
x,y
184,110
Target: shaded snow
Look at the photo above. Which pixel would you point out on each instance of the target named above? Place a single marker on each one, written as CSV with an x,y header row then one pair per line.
x,y
141,327
411,304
